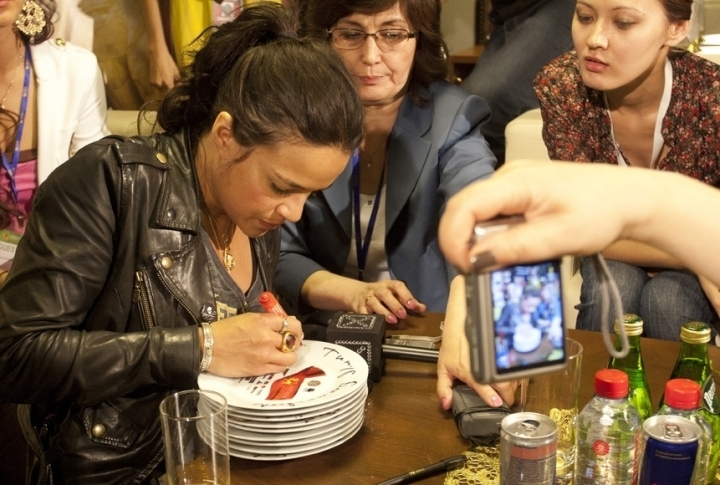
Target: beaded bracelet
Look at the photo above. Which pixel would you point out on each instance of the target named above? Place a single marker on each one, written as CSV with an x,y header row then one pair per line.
x,y
207,346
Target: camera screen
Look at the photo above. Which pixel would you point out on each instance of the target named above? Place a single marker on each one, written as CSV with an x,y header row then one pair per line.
x,y
527,316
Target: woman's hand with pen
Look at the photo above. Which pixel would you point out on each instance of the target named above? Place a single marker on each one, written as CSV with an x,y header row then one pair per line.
x,y
249,344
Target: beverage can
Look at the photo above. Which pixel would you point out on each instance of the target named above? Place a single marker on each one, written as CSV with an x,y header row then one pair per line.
x,y
528,445
669,450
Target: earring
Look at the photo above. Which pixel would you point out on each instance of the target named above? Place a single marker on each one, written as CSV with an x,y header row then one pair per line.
x,y
31,20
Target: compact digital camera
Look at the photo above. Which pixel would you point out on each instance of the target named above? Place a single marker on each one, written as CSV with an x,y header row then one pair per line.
x,y
515,323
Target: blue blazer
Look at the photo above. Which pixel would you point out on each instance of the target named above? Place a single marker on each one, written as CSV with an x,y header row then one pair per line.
x,y
434,151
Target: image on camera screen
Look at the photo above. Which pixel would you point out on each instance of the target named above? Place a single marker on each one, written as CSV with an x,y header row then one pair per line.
x,y
527,315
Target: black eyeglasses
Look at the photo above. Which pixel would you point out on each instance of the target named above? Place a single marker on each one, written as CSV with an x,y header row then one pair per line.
x,y
386,39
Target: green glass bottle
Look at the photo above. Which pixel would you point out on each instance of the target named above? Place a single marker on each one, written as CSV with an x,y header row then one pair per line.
x,y
632,365
693,363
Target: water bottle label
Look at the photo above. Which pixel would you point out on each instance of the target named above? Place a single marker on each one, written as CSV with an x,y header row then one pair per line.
x,y
601,448
708,396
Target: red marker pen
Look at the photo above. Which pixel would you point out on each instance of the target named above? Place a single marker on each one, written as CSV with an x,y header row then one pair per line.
x,y
270,304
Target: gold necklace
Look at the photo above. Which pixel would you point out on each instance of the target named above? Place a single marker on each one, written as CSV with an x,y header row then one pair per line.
x,y
228,260
2,103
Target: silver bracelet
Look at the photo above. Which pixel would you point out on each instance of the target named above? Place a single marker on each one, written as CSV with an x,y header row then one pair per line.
x,y
207,346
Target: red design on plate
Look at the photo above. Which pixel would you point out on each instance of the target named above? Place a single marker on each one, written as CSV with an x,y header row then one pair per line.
x,y
287,387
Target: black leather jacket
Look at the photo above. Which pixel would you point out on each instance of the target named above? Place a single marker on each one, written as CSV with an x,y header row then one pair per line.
x,y
98,318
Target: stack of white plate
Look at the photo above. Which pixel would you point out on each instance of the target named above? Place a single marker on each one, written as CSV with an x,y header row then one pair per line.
x,y
315,405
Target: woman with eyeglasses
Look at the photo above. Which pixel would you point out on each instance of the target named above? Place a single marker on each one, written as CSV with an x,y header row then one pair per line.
x,y
368,243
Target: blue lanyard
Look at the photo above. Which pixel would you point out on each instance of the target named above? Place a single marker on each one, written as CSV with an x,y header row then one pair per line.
x,y
11,166
362,247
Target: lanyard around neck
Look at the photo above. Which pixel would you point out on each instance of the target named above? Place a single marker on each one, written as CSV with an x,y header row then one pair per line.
x,y
11,165
362,247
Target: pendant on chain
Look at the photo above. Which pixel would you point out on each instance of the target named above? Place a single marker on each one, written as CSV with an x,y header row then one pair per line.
x,y
228,259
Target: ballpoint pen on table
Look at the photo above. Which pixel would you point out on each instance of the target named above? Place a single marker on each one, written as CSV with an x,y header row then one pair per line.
x,y
436,468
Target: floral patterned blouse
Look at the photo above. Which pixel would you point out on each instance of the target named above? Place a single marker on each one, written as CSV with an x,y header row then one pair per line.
x,y
576,124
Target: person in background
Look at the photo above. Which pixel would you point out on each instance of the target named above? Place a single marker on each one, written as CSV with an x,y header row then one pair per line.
x,y
557,202
163,70
525,35
73,24
136,245
368,242
52,102
173,28
626,96
521,312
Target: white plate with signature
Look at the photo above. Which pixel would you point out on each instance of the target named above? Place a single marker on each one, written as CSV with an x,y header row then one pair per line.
x,y
323,373
294,414
301,422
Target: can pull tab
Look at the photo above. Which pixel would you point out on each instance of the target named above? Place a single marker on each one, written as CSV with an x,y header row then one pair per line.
x,y
530,426
673,431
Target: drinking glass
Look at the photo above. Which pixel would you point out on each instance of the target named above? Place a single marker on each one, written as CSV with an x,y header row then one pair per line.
x,y
556,395
195,432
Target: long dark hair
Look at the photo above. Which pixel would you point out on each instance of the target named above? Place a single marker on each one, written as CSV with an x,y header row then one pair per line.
x,y
275,85
677,10
430,63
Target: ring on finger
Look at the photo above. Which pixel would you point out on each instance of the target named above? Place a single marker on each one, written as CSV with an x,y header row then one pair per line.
x,y
285,324
289,341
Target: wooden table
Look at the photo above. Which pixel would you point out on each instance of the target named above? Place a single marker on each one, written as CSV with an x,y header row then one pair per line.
x,y
405,428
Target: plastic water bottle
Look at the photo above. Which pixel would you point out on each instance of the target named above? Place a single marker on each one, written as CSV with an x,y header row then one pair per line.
x,y
682,398
632,365
608,431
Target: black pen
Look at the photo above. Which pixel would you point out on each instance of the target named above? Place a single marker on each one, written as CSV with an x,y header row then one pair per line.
x,y
436,468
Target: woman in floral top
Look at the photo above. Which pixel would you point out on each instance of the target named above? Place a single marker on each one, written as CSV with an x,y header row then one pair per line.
x,y
627,96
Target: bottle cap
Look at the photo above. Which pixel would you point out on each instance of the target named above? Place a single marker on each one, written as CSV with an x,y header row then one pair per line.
x,y
695,333
682,394
611,383
633,325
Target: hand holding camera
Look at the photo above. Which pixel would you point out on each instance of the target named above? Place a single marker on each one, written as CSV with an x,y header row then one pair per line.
x,y
515,324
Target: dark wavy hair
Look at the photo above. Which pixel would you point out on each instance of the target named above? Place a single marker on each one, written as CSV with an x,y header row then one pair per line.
x,y
431,63
677,10
275,85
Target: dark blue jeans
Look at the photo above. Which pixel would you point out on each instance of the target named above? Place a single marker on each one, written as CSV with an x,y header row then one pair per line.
x,y
514,54
664,302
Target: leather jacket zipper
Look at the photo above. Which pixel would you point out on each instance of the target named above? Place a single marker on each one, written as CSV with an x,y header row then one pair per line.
x,y
182,303
140,296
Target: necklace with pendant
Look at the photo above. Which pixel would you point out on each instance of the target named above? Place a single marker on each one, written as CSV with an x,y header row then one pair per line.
x,y
228,260
2,103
